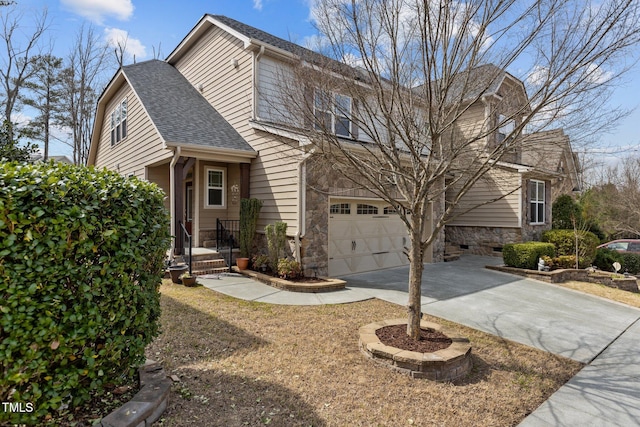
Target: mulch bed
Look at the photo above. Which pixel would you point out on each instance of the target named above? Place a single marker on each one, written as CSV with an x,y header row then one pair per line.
x,y
302,279
430,340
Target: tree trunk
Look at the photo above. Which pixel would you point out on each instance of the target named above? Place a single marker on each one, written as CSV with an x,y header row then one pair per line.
x,y
415,282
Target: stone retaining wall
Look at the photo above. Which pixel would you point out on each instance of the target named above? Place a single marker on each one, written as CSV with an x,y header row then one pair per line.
x,y
558,276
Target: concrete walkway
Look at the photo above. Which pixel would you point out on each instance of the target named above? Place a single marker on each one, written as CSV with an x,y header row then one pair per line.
x,y
588,329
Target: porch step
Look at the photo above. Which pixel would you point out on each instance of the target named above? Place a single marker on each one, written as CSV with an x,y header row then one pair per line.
x,y
451,253
209,264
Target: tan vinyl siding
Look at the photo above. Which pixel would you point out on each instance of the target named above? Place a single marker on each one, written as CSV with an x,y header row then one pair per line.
x,y
471,124
274,180
208,64
142,145
274,174
160,176
501,213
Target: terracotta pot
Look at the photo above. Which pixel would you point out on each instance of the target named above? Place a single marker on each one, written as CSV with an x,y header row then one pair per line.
x,y
189,281
242,263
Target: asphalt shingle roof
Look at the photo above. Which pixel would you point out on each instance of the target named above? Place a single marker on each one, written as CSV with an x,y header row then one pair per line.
x,y
180,113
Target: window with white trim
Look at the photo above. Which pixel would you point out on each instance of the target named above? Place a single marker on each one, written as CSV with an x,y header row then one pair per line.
x,y
332,113
119,123
506,128
215,188
536,201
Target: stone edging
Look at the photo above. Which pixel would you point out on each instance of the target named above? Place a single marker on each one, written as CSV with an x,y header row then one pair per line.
x,y
447,364
148,404
327,285
562,275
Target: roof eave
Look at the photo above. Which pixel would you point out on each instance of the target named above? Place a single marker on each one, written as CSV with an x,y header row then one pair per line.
x,y
213,150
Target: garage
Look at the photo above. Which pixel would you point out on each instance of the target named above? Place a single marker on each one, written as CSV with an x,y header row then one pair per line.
x,y
365,235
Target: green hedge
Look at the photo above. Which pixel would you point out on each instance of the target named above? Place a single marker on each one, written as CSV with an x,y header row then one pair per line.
x,y
81,259
605,258
565,244
526,255
630,263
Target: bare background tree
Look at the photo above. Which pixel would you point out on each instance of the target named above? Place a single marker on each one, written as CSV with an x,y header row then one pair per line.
x,y
60,92
21,47
613,201
82,84
416,70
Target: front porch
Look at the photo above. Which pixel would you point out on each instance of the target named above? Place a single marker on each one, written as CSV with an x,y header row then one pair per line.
x,y
204,193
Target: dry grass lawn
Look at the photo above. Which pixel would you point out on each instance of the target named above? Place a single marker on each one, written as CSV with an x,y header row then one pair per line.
x,y
255,364
603,291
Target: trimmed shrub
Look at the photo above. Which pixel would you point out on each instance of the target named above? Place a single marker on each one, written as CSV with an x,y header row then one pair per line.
x,y
526,255
289,268
630,263
565,261
565,244
81,259
605,258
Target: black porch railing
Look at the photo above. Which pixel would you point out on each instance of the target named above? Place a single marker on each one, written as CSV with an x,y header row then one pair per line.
x,y
228,236
187,238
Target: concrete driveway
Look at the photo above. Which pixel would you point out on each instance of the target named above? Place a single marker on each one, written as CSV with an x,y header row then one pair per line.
x,y
585,328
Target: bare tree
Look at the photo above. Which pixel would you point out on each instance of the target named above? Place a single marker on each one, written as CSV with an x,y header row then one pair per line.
x,y
613,202
20,48
81,86
408,75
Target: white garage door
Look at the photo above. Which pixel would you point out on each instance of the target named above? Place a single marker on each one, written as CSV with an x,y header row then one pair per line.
x,y
364,235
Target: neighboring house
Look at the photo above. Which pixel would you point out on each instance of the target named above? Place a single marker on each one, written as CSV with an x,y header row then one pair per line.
x,y
551,151
201,125
517,193
62,159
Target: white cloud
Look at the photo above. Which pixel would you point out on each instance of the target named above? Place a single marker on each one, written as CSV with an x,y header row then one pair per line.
x,y
257,4
98,10
134,48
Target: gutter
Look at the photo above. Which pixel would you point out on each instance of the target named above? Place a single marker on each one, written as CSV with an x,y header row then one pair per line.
x,y
302,202
172,184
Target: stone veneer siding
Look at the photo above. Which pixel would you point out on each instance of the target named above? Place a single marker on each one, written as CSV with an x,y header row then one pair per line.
x,y
481,240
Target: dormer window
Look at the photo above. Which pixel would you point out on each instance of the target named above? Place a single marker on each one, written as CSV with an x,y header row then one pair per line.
x,y
506,128
332,113
119,123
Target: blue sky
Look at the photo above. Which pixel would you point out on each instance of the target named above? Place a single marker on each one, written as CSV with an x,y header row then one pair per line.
x,y
150,24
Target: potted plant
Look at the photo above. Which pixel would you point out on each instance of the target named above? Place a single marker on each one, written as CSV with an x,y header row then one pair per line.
x,y
176,271
249,211
188,279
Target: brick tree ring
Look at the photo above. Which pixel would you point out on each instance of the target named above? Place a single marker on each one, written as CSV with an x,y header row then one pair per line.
x,y
448,364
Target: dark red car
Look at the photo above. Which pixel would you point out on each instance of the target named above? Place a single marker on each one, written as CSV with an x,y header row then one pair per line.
x,y
623,245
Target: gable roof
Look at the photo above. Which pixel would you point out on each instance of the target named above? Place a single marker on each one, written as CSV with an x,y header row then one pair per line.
x,y
179,112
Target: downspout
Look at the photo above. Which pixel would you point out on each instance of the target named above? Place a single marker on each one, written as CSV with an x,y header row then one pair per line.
x,y
302,202
172,183
256,59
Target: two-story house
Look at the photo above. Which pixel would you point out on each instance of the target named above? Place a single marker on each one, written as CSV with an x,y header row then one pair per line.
x,y
200,124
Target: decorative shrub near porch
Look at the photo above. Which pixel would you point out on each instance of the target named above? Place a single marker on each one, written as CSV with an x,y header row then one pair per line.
x,y
81,259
